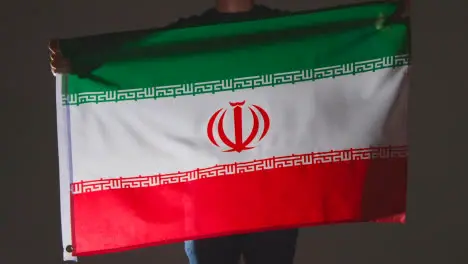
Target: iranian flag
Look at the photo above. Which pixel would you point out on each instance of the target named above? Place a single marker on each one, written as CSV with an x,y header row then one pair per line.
x,y
180,134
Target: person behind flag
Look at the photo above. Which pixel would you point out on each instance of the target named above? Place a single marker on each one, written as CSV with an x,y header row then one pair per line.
x,y
272,247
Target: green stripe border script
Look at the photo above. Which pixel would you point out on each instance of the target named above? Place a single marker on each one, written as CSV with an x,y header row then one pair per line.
x,y
235,84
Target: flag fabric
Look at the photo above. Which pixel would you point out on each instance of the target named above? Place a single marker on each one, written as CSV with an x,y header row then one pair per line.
x,y
181,134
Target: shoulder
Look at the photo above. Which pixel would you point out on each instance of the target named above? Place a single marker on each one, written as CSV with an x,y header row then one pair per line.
x,y
262,10
195,20
211,16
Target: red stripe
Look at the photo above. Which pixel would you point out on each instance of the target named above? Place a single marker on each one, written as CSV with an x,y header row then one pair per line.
x,y
350,191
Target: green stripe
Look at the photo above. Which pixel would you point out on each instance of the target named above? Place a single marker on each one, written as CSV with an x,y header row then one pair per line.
x,y
191,61
230,85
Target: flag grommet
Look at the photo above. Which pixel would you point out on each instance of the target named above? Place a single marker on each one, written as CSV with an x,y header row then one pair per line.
x,y
69,249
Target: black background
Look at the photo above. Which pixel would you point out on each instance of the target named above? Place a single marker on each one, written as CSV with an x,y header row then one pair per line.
x,y
436,231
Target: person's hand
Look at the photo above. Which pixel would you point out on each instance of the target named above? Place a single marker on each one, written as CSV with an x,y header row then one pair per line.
x,y
58,63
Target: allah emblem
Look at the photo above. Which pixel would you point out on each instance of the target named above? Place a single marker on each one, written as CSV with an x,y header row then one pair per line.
x,y
240,143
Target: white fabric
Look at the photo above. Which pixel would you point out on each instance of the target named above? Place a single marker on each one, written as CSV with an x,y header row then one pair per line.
x,y
148,137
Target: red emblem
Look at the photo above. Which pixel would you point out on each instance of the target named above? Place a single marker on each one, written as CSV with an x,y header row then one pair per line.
x,y
239,143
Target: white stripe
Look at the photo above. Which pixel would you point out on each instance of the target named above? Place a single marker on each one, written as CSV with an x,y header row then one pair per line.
x,y
147,137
